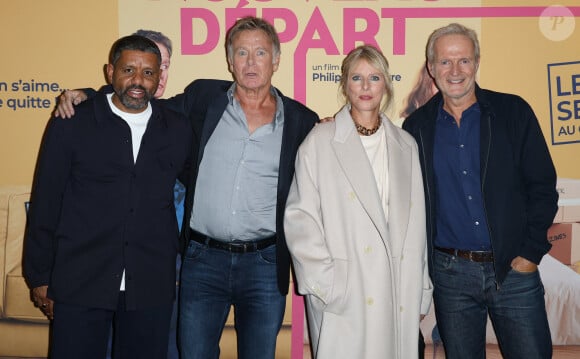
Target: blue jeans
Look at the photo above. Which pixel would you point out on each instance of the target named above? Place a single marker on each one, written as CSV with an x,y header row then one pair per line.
x,y
212,280
466,292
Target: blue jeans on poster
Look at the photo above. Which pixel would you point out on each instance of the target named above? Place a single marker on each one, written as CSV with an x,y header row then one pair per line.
x,y
465,293
212,280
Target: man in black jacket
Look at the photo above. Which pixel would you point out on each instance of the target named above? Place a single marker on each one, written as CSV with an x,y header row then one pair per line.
x,y
102,234
490,192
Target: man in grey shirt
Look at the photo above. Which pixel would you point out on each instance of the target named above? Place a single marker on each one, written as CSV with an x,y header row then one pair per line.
x,y
244,167
236,250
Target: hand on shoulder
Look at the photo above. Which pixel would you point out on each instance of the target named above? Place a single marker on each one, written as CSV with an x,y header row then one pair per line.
x,y
66,102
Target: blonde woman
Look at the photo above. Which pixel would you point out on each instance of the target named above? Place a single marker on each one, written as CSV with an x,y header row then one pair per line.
x,y
355,224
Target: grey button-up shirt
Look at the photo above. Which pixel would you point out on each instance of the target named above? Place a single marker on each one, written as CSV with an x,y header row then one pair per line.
x,y
236,188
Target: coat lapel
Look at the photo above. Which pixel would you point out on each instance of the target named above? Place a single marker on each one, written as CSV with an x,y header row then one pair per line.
x,y
400,171
155,131
352,158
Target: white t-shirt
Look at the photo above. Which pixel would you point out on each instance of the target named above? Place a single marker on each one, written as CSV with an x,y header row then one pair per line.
x,y
375,146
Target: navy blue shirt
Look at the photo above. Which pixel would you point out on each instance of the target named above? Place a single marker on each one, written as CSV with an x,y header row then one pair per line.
x,y
460,214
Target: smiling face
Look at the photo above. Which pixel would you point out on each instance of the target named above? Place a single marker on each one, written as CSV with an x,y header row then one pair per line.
x,y
365,88
454,67
134,76
252,61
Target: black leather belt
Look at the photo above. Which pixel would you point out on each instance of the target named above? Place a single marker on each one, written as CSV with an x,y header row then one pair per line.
x,y
474,256
234,247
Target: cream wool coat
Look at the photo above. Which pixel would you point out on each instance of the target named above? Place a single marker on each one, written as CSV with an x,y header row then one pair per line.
x,y
364,277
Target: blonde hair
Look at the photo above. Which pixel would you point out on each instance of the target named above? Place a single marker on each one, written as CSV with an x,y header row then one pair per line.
x,y
376,59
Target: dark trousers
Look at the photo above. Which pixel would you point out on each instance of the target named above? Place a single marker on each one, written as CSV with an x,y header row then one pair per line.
x,y
81,332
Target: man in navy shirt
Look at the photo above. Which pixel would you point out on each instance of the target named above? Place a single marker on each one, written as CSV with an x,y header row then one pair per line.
x,y
490,192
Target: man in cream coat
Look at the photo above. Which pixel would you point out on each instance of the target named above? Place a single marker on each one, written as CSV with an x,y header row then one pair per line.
x,y
363,273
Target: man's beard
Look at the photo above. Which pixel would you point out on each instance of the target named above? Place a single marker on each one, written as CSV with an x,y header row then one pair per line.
x,y
134,103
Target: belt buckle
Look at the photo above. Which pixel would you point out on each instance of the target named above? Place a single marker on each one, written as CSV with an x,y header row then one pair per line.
x,y
242,247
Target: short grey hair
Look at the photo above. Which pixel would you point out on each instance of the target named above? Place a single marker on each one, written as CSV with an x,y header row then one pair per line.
x,y
451,29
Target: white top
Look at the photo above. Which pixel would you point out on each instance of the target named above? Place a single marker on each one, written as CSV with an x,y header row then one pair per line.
x,y
375,146
137,123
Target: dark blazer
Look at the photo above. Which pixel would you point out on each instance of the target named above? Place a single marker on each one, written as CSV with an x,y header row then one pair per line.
x,y
204,102
518,178
95,212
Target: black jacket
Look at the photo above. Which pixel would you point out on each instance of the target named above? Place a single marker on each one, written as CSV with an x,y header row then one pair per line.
x,y
94,211
518,178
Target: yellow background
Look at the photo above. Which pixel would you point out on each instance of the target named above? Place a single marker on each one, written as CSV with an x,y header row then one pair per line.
x,y
67,42
63,41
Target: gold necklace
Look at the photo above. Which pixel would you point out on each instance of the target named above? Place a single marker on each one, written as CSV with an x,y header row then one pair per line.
x,y
366,131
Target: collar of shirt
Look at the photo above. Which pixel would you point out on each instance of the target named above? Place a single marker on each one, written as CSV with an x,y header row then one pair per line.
x,y
279,117
469,114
